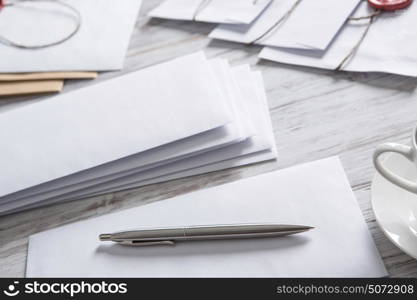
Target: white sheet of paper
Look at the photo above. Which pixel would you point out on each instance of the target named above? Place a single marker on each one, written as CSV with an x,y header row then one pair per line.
x,y
259,147
106,112
388,47
239,129
99,45
215,11
316,194
312,25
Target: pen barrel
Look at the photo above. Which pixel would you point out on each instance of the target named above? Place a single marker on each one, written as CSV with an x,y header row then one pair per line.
x,y
150,235
240,231
207,233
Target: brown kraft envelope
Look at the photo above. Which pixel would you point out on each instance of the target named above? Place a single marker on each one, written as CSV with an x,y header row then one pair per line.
x,y
14,88
46,76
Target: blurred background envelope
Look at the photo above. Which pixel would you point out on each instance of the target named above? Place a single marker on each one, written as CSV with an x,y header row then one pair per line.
x,y
389,46
99,45
310,24
14,88
46,76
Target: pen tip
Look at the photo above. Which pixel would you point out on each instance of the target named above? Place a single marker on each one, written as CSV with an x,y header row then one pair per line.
x,y
305,228
104,237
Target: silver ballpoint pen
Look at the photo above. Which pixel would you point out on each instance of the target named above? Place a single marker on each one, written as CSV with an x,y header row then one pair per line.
x,y
168,236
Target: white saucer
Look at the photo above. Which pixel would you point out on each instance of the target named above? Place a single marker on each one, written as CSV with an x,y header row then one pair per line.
x,y
396,209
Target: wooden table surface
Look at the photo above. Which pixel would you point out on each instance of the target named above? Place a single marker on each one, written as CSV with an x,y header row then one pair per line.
x,y
315,114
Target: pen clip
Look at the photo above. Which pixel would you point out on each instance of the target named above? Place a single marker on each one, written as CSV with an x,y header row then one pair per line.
x,y
151,243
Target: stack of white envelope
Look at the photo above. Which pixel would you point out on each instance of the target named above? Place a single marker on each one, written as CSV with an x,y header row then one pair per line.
x,y
389,46
317,33
184,117
299,24
296,24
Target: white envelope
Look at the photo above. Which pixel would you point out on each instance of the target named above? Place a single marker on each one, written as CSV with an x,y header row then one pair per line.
x,y
312,25
215,11
388,47
257,148
235,131
92,126
99,45
316,194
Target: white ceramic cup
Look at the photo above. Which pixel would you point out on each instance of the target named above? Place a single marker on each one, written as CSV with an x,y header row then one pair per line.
x,y
409,152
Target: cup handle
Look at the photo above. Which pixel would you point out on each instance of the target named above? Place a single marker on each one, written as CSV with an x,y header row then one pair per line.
x,y
405,151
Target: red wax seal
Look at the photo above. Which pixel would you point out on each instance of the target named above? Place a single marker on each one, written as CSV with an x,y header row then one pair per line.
x,y
389,5
1,4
